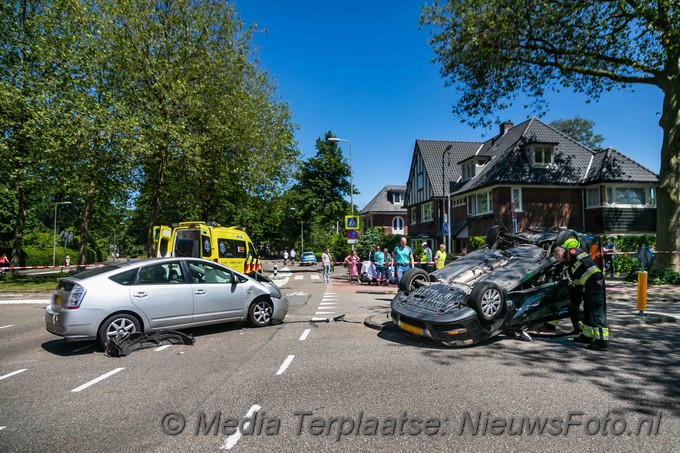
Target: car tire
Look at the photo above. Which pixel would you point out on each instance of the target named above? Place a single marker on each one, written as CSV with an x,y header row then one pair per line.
x,y
413,279
122,322
494,234
488,300
562,236
260,313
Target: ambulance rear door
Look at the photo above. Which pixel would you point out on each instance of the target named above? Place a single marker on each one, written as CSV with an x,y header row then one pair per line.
x,y
162,236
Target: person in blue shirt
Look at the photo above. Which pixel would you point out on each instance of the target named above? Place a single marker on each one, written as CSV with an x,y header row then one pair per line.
x,y
403,258
379,261
609,251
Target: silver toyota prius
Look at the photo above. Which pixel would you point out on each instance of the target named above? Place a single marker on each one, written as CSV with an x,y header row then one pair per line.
x,y
152,294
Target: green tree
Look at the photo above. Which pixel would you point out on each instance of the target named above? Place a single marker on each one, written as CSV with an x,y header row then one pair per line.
x,y
322,185
494,50
581,130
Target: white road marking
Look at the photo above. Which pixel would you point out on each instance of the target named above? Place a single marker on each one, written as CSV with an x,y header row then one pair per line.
x,y
12,373
231,441
2,427
285,364
163,347
303,337
94,381
4,327
315,277
328,293
299,277
23,301
328,303
82,348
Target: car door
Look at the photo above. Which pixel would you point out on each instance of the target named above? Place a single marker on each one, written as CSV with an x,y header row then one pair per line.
x,y
219,295
163,294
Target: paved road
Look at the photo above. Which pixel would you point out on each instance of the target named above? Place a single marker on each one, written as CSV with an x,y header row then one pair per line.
x,y
298,378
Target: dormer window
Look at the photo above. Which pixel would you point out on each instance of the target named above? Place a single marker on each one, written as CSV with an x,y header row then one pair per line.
x,y
542,155
396,197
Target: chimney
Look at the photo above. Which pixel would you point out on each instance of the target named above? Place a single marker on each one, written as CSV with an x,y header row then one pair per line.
x,y
506,126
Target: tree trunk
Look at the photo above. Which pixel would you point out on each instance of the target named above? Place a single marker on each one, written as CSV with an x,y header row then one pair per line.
x,y
18,241
668,198
85,225
156,203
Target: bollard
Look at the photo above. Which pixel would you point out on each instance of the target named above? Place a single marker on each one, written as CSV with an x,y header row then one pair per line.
x,y
642,293
274,270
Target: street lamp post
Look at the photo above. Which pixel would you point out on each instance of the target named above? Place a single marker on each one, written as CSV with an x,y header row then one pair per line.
x,y
445,193
351,181
54,242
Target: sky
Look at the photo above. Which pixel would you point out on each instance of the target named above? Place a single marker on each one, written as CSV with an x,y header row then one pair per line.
x,y
364,70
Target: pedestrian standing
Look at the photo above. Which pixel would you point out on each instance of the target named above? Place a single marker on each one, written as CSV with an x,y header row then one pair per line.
x,y
590,288
379,259
403,258
353,260
4,262
285,257
389,267
609,251
292,256
440,257
426,257
67,261
326,260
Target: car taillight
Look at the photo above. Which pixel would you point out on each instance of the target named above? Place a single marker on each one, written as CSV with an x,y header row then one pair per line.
x,y
75,298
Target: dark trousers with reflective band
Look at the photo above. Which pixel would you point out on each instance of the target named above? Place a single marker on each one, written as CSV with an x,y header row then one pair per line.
x,y
593,294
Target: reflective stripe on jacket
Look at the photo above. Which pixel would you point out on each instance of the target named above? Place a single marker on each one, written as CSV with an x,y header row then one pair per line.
x,y
581,266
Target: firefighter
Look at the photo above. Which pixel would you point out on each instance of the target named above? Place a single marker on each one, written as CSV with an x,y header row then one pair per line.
x,y
589,284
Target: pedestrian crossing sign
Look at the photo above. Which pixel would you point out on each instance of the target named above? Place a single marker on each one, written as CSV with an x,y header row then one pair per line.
x,y
351,222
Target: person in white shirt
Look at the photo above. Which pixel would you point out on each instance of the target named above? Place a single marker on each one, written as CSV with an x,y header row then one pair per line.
x,y
292,255
326,260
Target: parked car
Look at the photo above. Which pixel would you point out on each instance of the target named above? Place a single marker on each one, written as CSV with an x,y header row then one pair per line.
x,y
510,283
153,294
307,259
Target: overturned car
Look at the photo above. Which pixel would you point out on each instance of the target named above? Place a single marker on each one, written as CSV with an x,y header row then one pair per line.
x,y
510,283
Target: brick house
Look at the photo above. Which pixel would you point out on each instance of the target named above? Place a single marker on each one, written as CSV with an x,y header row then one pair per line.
x,y
527,175
386,210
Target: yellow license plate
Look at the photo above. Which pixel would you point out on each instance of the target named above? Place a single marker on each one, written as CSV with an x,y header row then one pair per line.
x,y
411,329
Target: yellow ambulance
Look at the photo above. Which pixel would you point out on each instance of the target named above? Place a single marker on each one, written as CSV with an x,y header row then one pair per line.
x,y
229,246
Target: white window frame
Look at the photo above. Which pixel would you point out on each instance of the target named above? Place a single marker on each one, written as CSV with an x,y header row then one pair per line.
x,y
396,198
425,209
611,196
545,150
458,201
396,221
589,191
473,202
413,215
518,199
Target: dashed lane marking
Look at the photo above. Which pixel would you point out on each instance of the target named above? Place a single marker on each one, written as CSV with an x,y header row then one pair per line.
x,y
94,381
303,337
315,277
286,363
13,373
299,277
4,327
231,441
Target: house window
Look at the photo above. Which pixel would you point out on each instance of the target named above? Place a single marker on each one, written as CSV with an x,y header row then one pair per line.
x,y
396,197
458,201
468,170
516,193
413,215
635,196
420,181
397,225
427,212
480,203
542,155
593,197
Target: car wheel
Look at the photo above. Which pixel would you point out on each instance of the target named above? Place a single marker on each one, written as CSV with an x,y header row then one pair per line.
x,y
260,313
562,236
413,278
495,233
488,300
120,323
